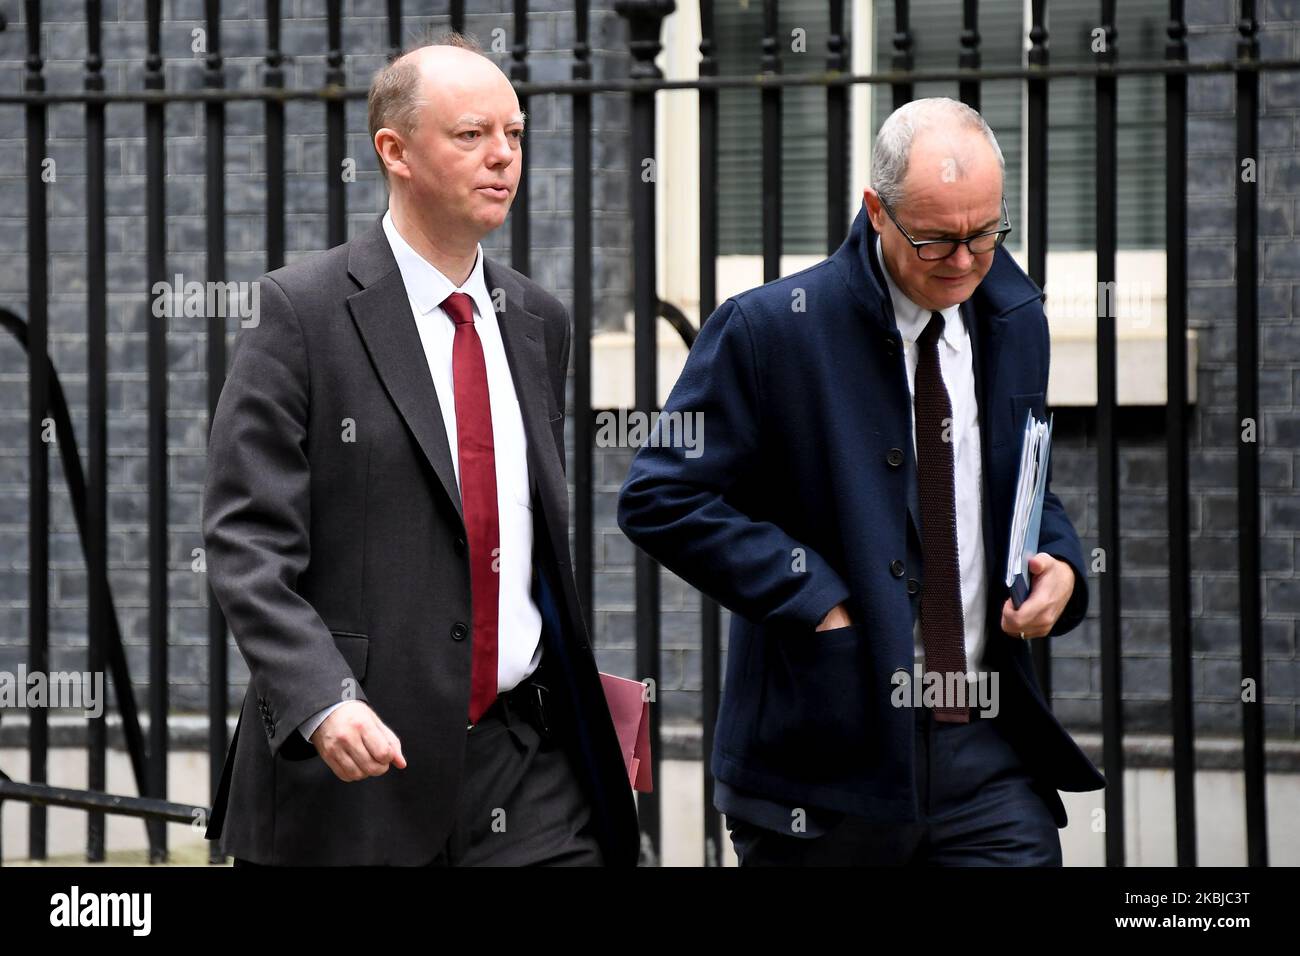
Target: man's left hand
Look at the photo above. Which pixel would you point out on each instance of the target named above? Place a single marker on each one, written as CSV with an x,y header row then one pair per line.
x,y
1050,588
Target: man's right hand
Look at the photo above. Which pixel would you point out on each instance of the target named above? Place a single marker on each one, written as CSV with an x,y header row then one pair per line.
x,y
838,616
356,744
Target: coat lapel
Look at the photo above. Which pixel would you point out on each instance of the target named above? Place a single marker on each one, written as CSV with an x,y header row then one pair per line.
x,y
982,338
522,334
881,288
987,315
382,313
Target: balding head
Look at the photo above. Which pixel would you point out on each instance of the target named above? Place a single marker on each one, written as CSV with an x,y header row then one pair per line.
x,y
957,143
447,72
448,131
937,173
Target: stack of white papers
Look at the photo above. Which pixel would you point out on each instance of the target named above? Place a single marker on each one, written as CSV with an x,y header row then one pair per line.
x,y
1027,514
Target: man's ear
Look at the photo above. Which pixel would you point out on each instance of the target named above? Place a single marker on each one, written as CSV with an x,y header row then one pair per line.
x,y
390,140
874,210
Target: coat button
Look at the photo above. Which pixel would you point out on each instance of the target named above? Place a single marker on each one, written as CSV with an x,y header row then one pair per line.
x,y
891,346
460,545
895,457
896,568
459,631
913,586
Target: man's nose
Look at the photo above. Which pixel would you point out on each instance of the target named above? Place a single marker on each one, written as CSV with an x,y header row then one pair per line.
x,y
501,154
962,258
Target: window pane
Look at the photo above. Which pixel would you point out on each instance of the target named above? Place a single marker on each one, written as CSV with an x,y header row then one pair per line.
x,y
1071,158
739,30
1071,155
936,45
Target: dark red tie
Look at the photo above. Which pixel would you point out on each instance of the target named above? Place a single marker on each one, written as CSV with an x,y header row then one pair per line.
x,y
478,495
943,627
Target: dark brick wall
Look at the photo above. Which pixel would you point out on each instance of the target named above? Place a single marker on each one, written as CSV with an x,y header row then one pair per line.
x,y
678,692
1214,428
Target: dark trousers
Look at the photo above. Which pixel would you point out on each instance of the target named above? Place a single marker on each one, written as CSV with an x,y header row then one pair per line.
x,y
521,803
978,806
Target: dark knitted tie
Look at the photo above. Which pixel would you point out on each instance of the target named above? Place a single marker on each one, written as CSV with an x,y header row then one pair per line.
x,y
943,631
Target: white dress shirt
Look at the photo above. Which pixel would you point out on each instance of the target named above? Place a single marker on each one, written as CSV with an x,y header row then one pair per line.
x,y
519,622
955,364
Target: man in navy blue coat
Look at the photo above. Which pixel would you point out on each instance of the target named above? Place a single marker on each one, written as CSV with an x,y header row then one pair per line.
x,y
851,505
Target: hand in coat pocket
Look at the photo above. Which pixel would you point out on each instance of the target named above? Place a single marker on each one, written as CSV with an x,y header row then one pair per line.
x,y
838,616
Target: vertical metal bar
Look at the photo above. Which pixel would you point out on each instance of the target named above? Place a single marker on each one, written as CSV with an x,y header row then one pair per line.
x,y
583,463
902,61
970,52
274,78
458,15
335,126
1036,193
645,19
710,637
770,65
1107,455
156,246
38,405
519,211
837,133
1252,665
1036,189
1176,438
96,424
215,213
394,29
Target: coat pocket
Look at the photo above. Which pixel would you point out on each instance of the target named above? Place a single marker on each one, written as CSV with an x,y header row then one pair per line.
x,y
355,649
814,710
1021,406
556,422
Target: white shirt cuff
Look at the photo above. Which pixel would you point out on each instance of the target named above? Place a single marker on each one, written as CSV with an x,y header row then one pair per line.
x,y
308,726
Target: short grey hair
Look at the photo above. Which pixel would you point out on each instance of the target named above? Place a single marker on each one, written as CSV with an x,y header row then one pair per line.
x,y
893,146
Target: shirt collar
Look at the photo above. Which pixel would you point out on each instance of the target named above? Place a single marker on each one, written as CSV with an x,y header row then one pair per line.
x,y
912,318
426,286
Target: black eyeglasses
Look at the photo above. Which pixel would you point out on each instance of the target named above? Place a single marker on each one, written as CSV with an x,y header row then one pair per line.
x,y
935,249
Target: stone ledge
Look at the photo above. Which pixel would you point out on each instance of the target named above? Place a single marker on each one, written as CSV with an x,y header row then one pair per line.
x,y
184,731
1140,368
681,741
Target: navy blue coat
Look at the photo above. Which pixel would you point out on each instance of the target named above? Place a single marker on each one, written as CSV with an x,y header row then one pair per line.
x,y
805,495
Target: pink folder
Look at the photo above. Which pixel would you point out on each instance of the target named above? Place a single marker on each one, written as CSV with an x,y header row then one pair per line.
x,y
631,713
